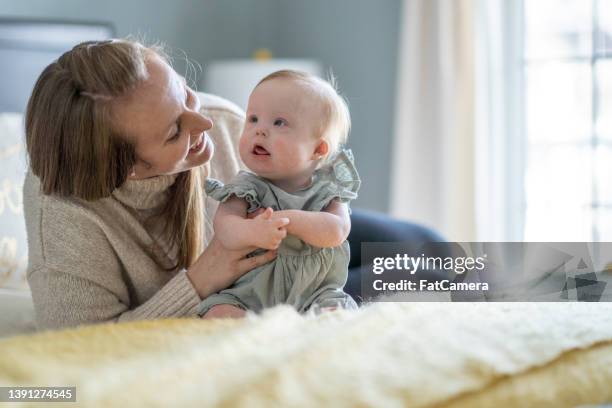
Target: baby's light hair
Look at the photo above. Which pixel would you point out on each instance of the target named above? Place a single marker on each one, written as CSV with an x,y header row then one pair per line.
x,y
336,124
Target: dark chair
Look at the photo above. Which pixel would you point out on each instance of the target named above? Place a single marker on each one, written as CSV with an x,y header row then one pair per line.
x,y
370,226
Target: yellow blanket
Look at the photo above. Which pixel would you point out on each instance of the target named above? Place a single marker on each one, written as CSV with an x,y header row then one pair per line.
x,y
391,354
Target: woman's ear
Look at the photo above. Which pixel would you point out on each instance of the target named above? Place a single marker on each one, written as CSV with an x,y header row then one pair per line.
x,y
141,169
132,173
321,149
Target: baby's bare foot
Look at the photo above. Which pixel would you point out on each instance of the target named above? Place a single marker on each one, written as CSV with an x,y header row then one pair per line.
x,y
224,312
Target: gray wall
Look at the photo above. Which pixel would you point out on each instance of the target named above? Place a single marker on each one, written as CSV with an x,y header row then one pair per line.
x,y
357,39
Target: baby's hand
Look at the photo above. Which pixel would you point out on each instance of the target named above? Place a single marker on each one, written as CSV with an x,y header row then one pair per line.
x,y
255,213
269,231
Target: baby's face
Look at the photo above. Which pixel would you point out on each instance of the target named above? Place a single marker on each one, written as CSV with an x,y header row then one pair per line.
x,y
279,140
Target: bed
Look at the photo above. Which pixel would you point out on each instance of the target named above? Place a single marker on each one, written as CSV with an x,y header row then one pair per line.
x,y
386,354
27,46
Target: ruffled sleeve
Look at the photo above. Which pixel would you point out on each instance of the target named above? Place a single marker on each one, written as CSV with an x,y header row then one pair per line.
x,y
347,179
339,179
241,186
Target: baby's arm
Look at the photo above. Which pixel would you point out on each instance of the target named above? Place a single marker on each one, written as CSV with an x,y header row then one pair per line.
x,y
325,229
236,232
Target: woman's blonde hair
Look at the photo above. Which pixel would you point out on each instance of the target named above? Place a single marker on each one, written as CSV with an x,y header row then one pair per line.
x,y
335,125
75,149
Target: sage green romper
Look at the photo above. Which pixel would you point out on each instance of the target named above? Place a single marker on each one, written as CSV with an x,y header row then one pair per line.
x,y
302,275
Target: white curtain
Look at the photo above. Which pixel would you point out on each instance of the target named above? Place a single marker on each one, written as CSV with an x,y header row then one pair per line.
x,y
433,170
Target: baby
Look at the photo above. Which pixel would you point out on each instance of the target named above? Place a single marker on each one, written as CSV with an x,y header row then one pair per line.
x,y
295,126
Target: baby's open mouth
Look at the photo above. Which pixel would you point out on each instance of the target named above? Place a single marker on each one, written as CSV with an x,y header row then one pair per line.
x,y
260,151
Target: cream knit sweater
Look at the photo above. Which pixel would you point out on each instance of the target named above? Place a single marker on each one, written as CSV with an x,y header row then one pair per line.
x,y
90,262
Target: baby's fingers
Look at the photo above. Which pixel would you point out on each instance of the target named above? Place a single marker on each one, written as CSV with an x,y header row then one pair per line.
x,y
280,222
266,214
256,213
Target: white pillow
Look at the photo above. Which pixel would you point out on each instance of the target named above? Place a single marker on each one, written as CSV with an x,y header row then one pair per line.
x,y
13,244
16,312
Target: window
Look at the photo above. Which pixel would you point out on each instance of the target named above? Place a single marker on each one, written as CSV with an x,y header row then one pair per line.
x,y
567,119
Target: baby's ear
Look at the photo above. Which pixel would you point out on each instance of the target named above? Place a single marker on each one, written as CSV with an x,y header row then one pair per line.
x,y
321,149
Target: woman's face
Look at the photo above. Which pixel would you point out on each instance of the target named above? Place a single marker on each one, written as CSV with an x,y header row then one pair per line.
x,y
162,117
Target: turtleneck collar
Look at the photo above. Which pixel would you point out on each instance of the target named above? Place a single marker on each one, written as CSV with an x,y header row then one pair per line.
x,y
146,193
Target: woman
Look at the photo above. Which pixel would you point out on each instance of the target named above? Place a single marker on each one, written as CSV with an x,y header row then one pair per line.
x,y
118,144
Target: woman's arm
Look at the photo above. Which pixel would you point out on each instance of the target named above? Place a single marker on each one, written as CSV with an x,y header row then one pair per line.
x,y
237,232
64,300
78,277
325,229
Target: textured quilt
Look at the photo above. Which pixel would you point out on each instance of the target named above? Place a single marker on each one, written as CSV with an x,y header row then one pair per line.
x,y
386,354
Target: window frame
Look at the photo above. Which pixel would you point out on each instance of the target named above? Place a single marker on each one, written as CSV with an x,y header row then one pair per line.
x,y
594,140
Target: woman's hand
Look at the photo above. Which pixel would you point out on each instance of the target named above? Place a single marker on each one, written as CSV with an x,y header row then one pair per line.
x,y
218,268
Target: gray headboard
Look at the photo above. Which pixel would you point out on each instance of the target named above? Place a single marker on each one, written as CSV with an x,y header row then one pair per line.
x,y
28,46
